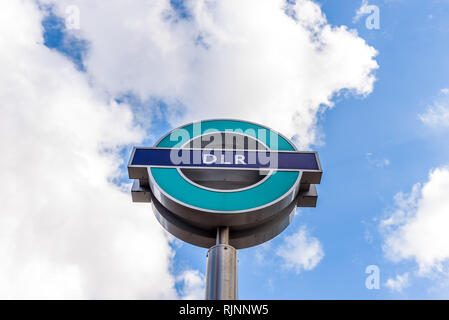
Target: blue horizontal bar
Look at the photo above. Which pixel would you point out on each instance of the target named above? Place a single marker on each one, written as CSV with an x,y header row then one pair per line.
x,y
280,160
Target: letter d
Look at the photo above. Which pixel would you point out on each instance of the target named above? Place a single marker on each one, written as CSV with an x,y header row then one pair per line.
x,y
209,158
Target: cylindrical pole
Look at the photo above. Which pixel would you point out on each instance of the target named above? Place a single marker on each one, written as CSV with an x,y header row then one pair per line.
x,y
221,272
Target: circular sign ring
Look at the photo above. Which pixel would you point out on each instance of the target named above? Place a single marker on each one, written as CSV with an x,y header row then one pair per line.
x,y
191,202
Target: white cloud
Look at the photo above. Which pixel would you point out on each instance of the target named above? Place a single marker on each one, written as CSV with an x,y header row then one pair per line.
x,y
242,59
377,162
399,283
437,113
66,231
301,251
193,285
417,227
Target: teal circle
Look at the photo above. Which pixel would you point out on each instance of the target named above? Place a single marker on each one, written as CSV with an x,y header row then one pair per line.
x,y
177,187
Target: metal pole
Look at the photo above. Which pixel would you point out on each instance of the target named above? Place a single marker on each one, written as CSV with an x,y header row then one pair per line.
x,y
221,272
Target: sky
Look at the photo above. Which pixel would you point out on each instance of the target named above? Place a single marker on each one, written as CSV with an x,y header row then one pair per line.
x,y
364,83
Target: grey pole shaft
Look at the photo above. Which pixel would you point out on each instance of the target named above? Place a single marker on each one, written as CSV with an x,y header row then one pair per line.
x,y
221,273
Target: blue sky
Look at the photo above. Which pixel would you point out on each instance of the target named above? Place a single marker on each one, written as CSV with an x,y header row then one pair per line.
x,y
372,146
360,134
